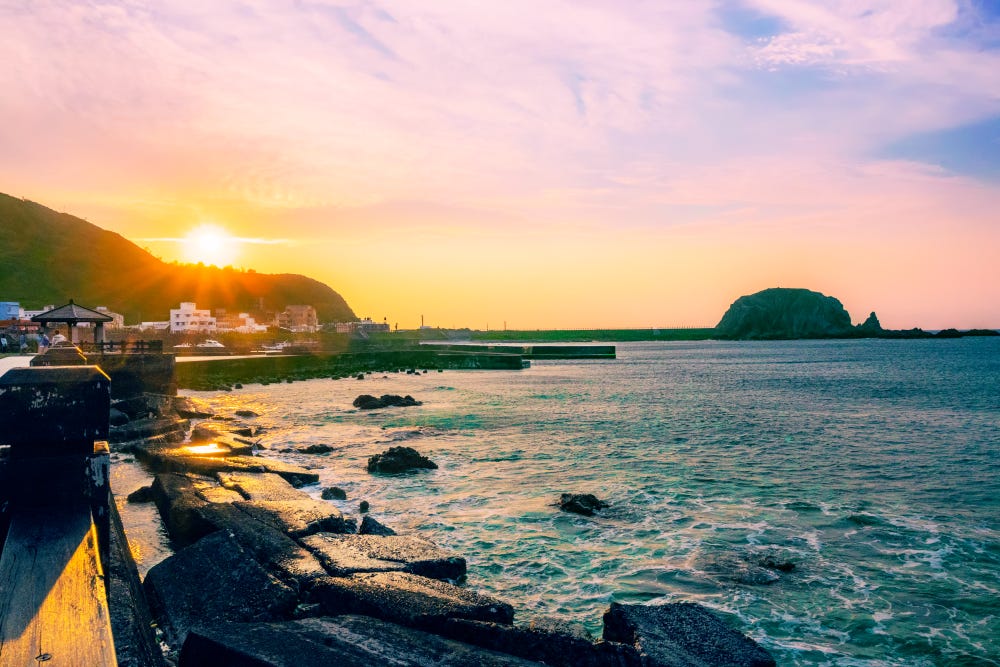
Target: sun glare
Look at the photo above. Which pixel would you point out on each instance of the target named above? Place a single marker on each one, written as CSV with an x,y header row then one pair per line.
x,y
210,244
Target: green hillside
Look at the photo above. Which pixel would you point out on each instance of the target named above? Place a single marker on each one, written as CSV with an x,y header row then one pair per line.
x,y
48,257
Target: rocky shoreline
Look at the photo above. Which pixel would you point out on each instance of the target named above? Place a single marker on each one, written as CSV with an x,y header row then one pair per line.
x,y
265,574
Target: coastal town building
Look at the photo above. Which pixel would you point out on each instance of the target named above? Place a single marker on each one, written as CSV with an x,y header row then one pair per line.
x,y
117,319
298,318
191,319
10,310
238,322
366,325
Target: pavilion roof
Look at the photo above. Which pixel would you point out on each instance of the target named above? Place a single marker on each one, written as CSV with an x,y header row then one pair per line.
x,y
72,313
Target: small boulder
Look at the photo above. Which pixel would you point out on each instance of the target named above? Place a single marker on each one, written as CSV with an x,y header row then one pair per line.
x,y
117,418
318,448
246,413
333,493
399,459
581,503
369,402
370,526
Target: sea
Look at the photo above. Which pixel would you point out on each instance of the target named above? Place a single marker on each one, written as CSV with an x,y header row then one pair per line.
x,y
837,501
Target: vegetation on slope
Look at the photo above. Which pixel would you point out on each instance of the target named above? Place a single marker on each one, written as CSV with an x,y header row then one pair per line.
x,y
48,257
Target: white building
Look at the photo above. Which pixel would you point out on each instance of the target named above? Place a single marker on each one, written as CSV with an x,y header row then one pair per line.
x,y
189,319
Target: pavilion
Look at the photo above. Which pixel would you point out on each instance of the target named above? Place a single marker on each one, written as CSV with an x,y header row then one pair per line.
x,y
72,314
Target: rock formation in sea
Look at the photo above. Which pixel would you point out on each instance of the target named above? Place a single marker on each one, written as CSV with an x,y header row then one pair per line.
x,y
783,313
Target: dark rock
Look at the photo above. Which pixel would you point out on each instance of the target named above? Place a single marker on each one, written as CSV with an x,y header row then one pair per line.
x,y
148,406
781,313
333,493
276,552
117,418
182,460
298,518
407,599
738,568
871,325
260,486
368,402
363,506
237,386
370,526
191,408
214,580
554,644
205,432
173,429
318,448
581,503
359,376
144,494
246,413
342,555
399,459
176,497
344,641
681,635
245,431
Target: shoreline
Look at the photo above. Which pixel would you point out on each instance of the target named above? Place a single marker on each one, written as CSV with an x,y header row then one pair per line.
x,y
241,494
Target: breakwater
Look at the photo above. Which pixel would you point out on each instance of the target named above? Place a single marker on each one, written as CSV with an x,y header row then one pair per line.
x,y
532,351
223,373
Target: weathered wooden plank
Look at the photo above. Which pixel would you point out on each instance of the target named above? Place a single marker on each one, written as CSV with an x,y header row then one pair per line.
x,y
53,604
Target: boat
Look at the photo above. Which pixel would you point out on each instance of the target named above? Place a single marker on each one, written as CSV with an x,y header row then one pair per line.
x,y
210,346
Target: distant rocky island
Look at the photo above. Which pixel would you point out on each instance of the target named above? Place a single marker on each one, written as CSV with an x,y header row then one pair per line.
x,y
781,313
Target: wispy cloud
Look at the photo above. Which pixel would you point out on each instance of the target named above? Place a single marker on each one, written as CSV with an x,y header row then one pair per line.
x,y
369,120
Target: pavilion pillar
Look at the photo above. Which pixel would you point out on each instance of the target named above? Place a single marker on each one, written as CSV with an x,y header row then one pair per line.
x,y
98,333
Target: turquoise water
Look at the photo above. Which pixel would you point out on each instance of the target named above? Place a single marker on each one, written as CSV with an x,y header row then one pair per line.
x,y
873,467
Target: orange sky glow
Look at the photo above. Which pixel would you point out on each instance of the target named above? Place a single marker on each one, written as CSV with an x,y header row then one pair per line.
x,y
566,165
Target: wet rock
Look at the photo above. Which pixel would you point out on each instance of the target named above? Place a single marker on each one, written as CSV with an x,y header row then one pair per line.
x,y
117,418
245,431
363,506
214,580
318,448
407,599
370,526
205,432
680,635
749,568
345,641
172,429
399,459
368,402
182,460
276,552
246,413
260,486
191,408
145,406
144,494
581,503
342,555
555,644
176,497
333,493
298,518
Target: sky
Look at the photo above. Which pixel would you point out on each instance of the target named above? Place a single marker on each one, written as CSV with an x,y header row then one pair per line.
x,y
551,164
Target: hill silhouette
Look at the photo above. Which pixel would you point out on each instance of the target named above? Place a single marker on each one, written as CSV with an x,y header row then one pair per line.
x,y
47,257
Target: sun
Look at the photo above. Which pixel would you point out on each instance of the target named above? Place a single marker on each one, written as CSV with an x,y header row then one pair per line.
x,y
210,244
